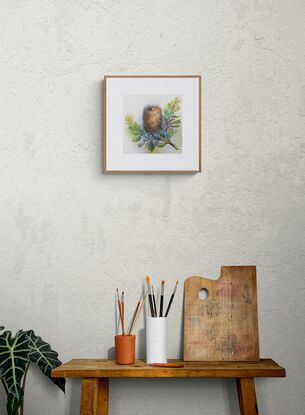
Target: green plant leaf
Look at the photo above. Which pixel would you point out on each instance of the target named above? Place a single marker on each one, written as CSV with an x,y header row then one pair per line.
x,y
46,358
13,362
13,403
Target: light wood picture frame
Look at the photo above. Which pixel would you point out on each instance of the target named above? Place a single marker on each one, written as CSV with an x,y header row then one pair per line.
x,y
152,124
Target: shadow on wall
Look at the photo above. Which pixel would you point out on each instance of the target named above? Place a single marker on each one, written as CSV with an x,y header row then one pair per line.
x,y
184,390
74,393
231,396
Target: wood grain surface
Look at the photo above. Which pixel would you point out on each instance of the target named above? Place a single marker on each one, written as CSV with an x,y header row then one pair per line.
x,y
247,396
224,326
94,396
102,368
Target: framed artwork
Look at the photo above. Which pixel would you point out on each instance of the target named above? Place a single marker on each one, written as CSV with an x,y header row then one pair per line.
x,y
152,124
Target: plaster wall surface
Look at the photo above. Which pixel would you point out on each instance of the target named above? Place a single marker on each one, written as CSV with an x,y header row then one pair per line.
x,y
69,235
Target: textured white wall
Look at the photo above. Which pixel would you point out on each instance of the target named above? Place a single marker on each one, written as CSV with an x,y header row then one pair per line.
x,y
70,235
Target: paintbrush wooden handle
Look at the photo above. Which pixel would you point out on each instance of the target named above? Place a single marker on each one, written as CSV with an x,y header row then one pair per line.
x,y
170,365
133,318
123,317
120,312
137,316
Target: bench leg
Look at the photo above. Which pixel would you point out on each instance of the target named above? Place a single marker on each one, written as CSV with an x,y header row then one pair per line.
x,y
247,396
94,396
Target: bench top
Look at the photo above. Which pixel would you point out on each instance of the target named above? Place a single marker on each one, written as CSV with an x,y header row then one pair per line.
x,y
103,368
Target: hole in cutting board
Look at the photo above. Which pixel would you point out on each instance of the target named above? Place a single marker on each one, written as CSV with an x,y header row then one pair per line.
x,y
203,294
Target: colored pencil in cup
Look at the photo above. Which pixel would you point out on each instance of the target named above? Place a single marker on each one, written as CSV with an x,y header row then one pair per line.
x,y
171,299
161,299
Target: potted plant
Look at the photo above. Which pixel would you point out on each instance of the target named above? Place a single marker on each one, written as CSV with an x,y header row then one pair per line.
x,y
16,355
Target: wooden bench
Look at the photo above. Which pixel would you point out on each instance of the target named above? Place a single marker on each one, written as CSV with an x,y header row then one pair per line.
x,y
95,374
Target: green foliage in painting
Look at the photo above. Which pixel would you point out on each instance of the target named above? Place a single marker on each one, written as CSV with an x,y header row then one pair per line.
x,y
151,140
134,129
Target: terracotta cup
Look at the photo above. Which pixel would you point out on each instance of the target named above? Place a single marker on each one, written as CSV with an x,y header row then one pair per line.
x,y
125,349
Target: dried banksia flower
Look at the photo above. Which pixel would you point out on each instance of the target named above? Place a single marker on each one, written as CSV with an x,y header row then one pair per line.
x,y
152,115
158,127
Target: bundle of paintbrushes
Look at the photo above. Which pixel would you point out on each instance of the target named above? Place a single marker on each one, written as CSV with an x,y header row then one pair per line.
x,y
154,311
121,314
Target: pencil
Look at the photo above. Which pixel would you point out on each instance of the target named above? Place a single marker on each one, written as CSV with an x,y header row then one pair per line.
x,y
171,299
161,299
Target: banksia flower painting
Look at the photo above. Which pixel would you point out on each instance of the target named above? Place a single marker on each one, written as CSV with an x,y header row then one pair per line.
x,y
152,123
155,127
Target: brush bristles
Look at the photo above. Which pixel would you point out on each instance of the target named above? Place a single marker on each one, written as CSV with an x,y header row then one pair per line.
x,y
162,287
147,279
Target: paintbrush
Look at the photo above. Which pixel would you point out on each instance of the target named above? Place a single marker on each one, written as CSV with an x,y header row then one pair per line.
x,y
122,305
138,315
169,365
149,296
134,315
171,299
161,298
154,301
120,308
117,315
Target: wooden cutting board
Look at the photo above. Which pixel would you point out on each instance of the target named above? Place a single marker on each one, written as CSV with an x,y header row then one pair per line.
x,y
224,326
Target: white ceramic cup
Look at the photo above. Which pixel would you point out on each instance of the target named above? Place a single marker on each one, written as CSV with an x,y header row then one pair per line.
x,y
156,340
